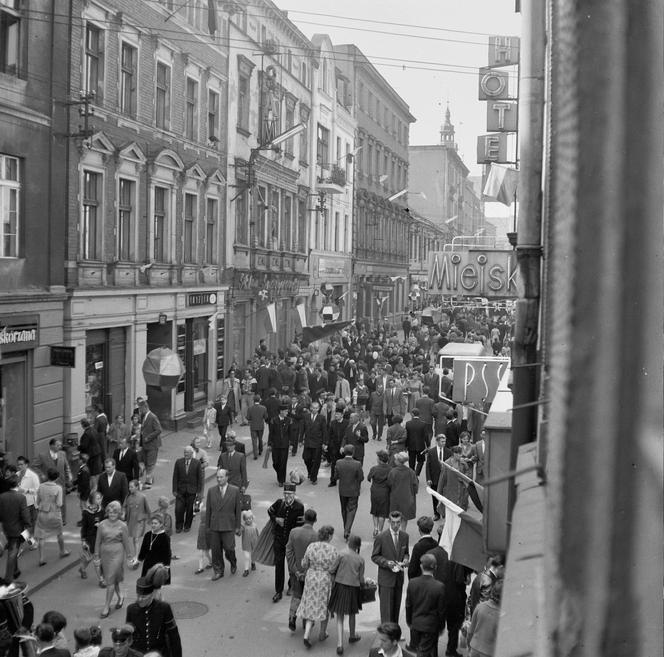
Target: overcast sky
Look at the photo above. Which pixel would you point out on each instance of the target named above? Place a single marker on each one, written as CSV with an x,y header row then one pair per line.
x,y
448,38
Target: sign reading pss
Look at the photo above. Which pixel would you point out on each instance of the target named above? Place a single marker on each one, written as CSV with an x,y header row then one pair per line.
x,y
476,379
479,272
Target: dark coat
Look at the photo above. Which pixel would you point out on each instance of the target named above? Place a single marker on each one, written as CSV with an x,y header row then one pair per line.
x,y
384,551
416,435
433,465
292,515
150,432
14,514
188,482
425,605
403,485
315,431
356,436
236,465
421,547
128,465
90,443
155,629
350,476
272,406
279,433
223,514
118,490
425,406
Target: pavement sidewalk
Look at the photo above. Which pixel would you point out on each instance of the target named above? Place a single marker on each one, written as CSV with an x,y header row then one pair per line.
x,y
172,447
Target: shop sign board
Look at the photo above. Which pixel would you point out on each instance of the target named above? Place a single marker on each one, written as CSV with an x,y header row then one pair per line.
x,y
277,285
202,299
476,380
474,272
63,356
19,332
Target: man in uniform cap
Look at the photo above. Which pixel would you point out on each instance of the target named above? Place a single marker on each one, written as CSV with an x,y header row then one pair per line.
x,y
287,513
278,440
121,638
155,627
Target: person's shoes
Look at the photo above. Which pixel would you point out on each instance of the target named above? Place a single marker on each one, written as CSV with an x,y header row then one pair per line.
x,y
105,613
332,483
17,574
307,643
208,567
346,537
253,566
120,603
84,575
178,531
79,523
245,573
354,639
322,637
314,483
42,563
65,554
255,458
340,650
102,583
217,576
174,557
292,623
288,591
187,530
277,596
233,569
198,571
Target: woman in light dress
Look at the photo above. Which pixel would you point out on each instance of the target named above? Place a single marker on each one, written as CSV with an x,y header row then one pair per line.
x,y
49,514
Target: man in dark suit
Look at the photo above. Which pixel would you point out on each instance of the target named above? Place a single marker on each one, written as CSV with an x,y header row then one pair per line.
x,y
315,433
356,434
287,514
452,429
112,485
425,609
424,543
56,458
390,554
188,479
15,518
435,457
257,417
222,521
231,436
425,406
150,441
126,460
235,463
350,477
478,454
335,435
416,441
278,440
298,541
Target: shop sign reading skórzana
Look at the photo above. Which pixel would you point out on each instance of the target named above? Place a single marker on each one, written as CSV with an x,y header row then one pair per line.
x,y
19,332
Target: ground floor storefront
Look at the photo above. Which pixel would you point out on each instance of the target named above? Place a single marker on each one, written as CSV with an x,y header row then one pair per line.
x,y
112,333
382,292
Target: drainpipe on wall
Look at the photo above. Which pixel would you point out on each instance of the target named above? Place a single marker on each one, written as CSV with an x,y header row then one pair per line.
x,y
529,227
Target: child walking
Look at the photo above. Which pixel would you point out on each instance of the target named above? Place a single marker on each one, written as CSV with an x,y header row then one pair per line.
x,y
249,540
136,513
93,514
163,505
203,546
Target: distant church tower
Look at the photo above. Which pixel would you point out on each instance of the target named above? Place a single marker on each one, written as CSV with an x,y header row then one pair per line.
x,y
447,131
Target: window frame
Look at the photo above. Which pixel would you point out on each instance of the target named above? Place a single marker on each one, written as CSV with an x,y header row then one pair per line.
x,y
166,90
166,212
191,107
243,101
128,254
92,250
14,69
132,110
211,230
213,117
98,55
7,186
189,226
323,146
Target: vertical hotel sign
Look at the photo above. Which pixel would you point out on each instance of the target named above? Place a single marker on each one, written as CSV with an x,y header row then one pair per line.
x,y
494,88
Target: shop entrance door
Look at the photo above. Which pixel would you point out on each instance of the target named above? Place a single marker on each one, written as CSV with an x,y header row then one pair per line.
x,y
14,407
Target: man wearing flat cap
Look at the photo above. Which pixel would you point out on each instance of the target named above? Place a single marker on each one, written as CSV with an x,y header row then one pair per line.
x,y
287,514
235,463
278,440
153,622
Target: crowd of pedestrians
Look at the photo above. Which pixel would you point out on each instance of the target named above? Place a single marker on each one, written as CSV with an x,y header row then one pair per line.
x,y
330,402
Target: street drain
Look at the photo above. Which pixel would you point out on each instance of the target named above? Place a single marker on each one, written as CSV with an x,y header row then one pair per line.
x,y
188,609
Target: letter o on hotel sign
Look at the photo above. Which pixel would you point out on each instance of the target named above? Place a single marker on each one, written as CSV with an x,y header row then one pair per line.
x,y
493,84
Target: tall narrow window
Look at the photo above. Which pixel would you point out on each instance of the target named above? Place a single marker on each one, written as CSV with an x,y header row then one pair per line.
x,y
337,153
128,61
346,234
10,195
347,161
163,99
10,37
302,225
290,121
337,228
191,110
213,115
211,219
91,228
126,190
94,61
326,231
287,233
243,102
190,207
304,145
241,220
323,147
160,219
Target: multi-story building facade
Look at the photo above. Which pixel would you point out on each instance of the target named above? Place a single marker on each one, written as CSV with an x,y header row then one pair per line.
x,y
32,294
146,202
331,233
438,177
380,244
271,72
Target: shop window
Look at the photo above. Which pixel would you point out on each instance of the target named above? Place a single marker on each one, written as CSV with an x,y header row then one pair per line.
x,y
221,338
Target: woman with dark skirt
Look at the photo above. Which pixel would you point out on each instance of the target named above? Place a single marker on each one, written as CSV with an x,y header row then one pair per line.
x,y
380,493
156,549
345,596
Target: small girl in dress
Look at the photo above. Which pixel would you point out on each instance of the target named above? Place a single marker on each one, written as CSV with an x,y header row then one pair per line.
x,y
136,513
203,546
249,540
163,505
209,422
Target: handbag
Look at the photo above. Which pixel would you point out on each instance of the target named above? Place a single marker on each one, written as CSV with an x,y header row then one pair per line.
x,y
367,592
